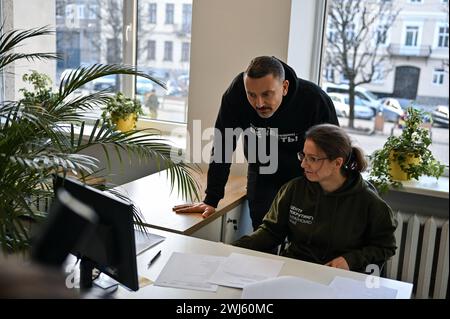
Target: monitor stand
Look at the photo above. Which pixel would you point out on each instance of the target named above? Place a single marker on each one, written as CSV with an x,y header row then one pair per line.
x,y
103,281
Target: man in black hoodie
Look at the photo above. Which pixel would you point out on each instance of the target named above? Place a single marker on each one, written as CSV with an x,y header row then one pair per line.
x,y
273,109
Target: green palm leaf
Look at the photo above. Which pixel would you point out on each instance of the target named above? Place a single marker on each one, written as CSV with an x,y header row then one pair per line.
x,y
11,39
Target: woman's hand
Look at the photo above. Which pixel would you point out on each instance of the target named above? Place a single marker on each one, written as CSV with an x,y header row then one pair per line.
x,y
339,262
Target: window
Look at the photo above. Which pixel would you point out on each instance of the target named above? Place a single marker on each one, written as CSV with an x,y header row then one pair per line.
x,y
168,50
331,33
151,53
443,37
412,33
350,31
329,73
165,52
92,12
185,47
152,7
438,76
378,75
187,16
169,13
382,32
403,74
344,78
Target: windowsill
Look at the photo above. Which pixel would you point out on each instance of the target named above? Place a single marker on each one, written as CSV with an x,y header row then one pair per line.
x,y
426,185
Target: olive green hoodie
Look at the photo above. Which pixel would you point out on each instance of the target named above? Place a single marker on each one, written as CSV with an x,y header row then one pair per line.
x,y
352,222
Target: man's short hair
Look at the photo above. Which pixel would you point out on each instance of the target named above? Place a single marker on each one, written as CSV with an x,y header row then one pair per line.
x,y
263,65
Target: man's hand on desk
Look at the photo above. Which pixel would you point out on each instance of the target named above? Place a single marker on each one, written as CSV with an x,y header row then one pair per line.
x,y
338,262
203,208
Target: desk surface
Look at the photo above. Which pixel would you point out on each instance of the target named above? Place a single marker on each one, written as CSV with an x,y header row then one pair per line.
x,y
186,244
153,195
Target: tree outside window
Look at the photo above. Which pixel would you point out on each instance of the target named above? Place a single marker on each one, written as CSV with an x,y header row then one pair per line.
x,y
356,50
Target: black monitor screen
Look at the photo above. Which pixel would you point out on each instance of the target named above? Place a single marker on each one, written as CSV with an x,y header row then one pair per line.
x,y
111,247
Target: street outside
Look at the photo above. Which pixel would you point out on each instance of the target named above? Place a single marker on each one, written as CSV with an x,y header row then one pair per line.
x,y
173,109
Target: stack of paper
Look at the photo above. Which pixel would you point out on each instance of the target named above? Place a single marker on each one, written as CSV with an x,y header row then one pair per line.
x,y
203,272
288,287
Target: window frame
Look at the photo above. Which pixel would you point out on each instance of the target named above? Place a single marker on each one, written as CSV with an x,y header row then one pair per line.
x,y
419,26
438,35
439,74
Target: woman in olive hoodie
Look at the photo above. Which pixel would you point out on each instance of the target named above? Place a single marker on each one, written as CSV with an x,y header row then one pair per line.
x,y
331,215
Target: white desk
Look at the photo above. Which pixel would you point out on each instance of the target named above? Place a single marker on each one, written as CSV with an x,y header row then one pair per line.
x,y
185,244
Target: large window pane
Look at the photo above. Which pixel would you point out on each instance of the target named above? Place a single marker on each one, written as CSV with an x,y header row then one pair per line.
x,y
163,50
391,57
89,32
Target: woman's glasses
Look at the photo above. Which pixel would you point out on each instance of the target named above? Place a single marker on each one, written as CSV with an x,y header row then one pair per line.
x,y
309,159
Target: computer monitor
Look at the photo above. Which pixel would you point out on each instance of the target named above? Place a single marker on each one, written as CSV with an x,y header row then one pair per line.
x,y
111,246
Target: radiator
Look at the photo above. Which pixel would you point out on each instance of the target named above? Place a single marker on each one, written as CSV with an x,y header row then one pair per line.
x,y
422,255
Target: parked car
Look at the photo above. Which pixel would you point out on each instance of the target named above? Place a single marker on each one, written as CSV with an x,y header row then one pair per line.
x,y
391,109
440,115
365,95
342,109
362,111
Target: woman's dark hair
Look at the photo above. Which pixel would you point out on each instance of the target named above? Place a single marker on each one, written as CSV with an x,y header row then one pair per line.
x,y
263,65
335,142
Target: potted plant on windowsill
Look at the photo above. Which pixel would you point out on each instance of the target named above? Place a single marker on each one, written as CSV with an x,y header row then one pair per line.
x,y
406,156
122,112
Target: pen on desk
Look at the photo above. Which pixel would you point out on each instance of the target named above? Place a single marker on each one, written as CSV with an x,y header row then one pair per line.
x,y
154,258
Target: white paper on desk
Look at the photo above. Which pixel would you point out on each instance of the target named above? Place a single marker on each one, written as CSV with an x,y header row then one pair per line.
x,y
348,288
189,271
145,241
287,287
239,270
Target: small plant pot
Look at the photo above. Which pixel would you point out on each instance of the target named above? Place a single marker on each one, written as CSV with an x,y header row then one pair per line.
x,y
127,124
396,171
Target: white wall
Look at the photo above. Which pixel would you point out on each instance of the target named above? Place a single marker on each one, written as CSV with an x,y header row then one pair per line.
x,y
25,15
226,35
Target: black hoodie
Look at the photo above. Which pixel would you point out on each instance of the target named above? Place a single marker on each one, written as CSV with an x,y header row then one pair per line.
x,y
305,105
352,222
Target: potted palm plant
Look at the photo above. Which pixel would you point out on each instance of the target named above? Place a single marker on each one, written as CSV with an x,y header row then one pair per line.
x,y
406,156
43,133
